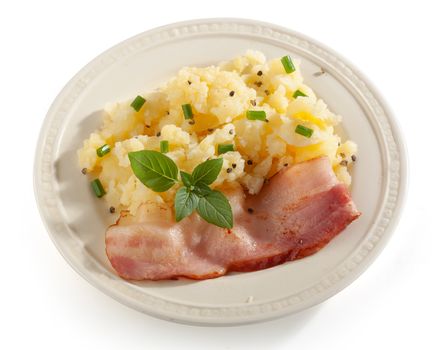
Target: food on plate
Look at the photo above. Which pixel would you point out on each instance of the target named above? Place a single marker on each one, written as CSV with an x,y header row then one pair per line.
x,y
235,167
299,211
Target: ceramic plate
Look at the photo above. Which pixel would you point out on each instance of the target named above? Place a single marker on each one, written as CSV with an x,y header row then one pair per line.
x,y
76,220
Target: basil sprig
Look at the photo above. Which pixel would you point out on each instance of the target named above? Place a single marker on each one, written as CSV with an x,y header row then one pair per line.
x,y
158,172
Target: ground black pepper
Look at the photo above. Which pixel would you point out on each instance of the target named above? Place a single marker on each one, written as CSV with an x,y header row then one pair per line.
x,y
321,72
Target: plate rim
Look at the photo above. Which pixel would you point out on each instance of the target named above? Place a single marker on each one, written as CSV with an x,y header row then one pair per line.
x,y
235,26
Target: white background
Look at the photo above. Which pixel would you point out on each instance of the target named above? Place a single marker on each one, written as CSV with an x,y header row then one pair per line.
x,y
45,304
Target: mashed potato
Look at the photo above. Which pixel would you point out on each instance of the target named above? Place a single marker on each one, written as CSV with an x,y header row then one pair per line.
x,y
220,97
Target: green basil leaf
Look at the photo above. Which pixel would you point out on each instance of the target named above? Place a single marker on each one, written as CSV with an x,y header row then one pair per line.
x,y
154,170
186,179
201,189
215,209
207,171
185,202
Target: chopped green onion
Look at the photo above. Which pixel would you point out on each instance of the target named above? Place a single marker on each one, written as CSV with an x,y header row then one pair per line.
x,y
164,146
256,115
304,131
188,112
97,188
138,102
103,150
287,64
298,93
225,148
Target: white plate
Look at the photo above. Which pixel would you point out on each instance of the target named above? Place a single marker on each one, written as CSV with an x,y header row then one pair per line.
x,y
76,220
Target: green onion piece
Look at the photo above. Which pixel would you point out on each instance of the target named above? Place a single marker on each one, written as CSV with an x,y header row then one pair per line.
x,y
97,188
304,131
188,112
287,64
103,150
164,146
298,93
256,115
225,148
138,102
